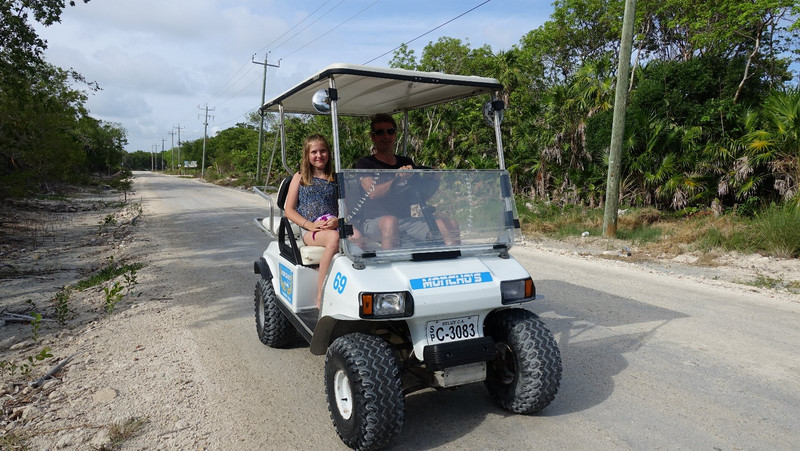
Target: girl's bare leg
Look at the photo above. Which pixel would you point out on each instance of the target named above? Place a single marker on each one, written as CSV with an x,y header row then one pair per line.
x,y
329,239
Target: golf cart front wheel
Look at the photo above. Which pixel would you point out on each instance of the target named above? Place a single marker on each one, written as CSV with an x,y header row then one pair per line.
x,y
525,376
365,397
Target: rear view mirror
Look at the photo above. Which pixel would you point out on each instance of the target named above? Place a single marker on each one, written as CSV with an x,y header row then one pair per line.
x,y
322,101
488,111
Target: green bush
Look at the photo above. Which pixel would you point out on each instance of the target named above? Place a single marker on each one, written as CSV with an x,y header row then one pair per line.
x,y
778,230
109,272
640,235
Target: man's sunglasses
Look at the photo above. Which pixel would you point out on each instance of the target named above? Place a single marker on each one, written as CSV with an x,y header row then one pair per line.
x,y
380,131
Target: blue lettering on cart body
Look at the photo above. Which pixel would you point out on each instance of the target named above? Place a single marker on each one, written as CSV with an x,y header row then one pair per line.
x,y
450,280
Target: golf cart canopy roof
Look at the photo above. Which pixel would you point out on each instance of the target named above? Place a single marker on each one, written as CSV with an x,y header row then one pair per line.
x,y
365,90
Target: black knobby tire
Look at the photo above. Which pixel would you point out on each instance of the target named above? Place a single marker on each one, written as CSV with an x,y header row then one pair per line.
x,y
272,326
527,372
364,372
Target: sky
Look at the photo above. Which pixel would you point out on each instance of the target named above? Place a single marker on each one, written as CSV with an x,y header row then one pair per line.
x,y
159,64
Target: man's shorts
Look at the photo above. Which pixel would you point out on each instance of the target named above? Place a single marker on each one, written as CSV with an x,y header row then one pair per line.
x,y
416,228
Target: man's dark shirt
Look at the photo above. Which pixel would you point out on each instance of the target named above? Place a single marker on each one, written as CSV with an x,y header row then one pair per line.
x,y
388,205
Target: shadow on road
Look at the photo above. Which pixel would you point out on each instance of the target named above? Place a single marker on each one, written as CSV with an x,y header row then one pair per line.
x,y
594,330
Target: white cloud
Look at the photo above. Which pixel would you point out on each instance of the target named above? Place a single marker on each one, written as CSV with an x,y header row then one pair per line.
x,y
157,61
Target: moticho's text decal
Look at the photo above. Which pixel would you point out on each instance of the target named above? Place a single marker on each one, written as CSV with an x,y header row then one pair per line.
x,y
449,280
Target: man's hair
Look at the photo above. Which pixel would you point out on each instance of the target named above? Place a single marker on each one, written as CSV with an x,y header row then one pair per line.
x,y
381,117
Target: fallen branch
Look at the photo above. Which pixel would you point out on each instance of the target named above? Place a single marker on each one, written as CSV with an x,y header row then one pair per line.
x,y
16,317
54,370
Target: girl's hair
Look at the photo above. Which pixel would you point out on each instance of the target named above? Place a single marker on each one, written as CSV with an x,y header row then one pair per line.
x,y
306,170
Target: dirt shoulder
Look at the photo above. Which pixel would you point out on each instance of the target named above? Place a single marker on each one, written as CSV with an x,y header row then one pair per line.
x,y
46,248
753,272
136,350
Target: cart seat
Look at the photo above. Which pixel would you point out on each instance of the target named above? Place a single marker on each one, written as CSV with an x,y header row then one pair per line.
x,y
310,255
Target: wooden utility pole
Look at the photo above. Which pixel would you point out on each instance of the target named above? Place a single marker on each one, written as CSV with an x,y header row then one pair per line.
x,y
261,122
179,148
172,149
618,127
205,137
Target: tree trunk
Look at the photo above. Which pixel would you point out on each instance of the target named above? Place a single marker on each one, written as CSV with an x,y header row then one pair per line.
x,y
748,63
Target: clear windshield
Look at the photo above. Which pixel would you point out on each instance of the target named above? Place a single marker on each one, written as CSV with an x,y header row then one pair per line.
x,y
397,215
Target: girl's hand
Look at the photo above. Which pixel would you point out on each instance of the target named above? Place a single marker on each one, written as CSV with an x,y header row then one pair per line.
x,y
327,224
333,223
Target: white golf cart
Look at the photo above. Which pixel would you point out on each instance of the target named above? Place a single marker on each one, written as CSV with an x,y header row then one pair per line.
x,y
440,311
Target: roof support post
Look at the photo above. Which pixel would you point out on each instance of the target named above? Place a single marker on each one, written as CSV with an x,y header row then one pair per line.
x,y
334,96
283,140
498,135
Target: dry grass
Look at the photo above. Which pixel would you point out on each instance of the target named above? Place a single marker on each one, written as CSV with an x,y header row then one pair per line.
x,y
121,432
772,232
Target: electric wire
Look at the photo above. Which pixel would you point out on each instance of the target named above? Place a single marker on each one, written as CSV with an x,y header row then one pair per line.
x,y
429,31
252,110
288,40
228,84
230,80
246,63
332,29
295,26
307,26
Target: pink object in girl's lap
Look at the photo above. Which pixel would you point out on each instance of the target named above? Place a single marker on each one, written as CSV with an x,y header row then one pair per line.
x,y
324,217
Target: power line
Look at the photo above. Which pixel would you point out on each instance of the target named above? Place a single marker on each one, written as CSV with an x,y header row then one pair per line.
x,y
229,84
337,26
221,90
429,31
251,83
308,26
242,117
246,114
296,25
230,80
242,89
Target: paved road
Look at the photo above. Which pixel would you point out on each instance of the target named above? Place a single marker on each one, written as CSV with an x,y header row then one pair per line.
x,y
650,360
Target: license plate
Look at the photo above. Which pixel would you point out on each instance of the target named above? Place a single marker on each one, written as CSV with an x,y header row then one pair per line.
x,y
452,329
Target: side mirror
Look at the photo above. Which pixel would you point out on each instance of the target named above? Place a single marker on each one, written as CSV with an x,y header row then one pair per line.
x,y
488,111
321,101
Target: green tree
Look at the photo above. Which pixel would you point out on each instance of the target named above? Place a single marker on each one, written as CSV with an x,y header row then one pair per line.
x,y
137,161
37,119
20,47
781,141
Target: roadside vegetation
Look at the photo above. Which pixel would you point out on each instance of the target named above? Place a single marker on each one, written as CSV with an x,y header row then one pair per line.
x,y
772,231
34,329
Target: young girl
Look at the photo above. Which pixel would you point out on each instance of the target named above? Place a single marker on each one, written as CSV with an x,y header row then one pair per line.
x,y
311,202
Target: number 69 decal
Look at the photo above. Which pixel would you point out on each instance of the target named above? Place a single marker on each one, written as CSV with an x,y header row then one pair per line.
x,y
339,282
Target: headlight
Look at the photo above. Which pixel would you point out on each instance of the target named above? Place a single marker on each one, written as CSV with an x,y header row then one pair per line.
x,y
386,305
515,291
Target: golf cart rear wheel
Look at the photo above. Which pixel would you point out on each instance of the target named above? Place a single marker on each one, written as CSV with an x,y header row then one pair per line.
x,y
365,397
525,376
272,326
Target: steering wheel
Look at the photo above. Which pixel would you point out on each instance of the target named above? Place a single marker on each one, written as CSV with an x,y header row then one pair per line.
x,y
416,188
